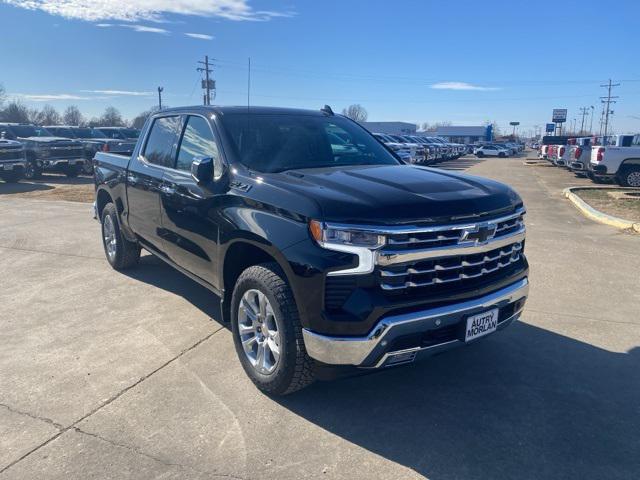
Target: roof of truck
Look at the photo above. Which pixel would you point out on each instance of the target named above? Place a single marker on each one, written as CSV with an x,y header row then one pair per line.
x,y
244,109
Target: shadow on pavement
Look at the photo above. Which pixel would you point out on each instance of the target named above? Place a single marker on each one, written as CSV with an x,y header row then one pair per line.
x,y
22,187
526,403
155,272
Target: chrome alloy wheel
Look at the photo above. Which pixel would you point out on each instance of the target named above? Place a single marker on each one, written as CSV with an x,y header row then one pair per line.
x,y
109,235
258,329
633,179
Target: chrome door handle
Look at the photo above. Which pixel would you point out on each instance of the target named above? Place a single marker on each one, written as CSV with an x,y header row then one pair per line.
x,y
167,189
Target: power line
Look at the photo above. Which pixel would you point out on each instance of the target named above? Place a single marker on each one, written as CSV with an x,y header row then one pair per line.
x,y
208,84
608,101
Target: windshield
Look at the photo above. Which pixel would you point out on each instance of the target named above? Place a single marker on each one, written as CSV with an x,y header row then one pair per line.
x,y
29,131
88,133
275,143
130,132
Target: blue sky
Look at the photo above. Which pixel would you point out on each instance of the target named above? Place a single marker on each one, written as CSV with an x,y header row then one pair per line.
x,y
416,61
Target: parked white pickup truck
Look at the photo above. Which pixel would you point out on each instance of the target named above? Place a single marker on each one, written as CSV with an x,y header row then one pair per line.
x,y
619,160
580,155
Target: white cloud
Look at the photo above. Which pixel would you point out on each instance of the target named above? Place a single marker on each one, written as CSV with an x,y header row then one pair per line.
x,y
136,27
200,36
46,97
126,93
147,10
460,86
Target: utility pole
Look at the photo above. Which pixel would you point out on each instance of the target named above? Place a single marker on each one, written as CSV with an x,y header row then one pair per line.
x,y
591,127
584,111
207,84
160,89
608,101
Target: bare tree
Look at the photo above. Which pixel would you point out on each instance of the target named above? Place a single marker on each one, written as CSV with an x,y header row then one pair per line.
x,y
15,111
3,95
356,112
48,116
138,121
111,118
72,116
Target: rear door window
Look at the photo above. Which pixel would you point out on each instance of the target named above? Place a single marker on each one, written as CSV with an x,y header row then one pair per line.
x,y
160,146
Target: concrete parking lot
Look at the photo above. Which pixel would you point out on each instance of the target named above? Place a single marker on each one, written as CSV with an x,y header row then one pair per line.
x,y
110,375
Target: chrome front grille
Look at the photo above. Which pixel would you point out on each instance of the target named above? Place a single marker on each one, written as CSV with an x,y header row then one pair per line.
x,y
452,235
11,154
448,269
67,152
421,257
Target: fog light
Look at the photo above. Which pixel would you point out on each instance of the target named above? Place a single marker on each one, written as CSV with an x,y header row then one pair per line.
x,y
402,357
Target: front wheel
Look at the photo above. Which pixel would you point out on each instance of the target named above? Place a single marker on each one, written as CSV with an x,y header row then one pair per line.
x,y
630,176
32,171
72,171
479,154
121,253
267,333
502,155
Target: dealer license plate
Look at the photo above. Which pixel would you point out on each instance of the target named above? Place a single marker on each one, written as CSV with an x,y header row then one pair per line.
x,y
481,324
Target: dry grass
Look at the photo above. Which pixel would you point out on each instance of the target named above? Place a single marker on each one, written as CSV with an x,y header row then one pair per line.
x,y
52,187
625,208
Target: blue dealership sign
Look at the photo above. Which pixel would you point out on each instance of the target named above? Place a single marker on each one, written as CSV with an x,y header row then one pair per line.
x,y
551,127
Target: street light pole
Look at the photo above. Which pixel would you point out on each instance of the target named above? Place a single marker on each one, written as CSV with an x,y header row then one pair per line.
x,y
160,89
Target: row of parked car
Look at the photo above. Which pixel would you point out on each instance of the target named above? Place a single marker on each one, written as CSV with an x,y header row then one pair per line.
x,y
602,159
27,150
421,149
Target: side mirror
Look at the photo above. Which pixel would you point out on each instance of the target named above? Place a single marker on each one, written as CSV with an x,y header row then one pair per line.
x,y
202,169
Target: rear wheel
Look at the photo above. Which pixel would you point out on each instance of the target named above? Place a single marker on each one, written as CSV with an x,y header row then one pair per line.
x,y
630,176
502,155
480,154
121,253
267,333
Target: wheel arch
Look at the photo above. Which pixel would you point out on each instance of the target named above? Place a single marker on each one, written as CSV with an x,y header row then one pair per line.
x,y
242,254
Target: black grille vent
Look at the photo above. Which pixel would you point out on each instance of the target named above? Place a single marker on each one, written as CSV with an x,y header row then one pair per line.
x,y
337,291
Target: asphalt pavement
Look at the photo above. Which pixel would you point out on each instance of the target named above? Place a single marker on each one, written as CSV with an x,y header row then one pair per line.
x,y
131,376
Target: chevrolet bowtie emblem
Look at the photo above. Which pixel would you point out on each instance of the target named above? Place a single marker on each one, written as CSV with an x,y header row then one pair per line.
x,y
479,233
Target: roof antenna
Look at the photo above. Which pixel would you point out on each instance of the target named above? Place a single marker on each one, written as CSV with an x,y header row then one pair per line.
x,y
327,109
249,86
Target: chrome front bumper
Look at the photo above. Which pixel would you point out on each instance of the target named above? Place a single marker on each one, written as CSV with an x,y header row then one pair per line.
x,y
12,164
376,349
54,162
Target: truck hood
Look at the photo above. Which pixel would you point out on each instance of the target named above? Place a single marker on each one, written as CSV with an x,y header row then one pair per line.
x,y
397,194
51,140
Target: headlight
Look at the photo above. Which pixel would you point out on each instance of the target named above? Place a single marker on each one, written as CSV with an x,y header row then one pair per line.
x,y
342,238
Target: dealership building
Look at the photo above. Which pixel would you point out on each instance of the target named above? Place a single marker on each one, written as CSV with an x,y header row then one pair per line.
x,y
391,128
463,134
451,133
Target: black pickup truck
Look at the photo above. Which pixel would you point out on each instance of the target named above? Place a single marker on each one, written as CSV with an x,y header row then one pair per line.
x,y
329,254
44,150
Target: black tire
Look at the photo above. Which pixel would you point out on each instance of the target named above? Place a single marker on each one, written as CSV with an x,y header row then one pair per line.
x,y
502,155
87,168
480,154
11,177
630,176
32,171
126,254
72,171
294,369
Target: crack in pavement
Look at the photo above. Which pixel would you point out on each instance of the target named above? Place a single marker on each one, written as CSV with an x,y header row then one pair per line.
x,y
577,315
111,399
33,250
30,415
155,458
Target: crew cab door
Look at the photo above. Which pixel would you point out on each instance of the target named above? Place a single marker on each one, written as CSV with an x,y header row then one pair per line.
x,y
189,210
144,179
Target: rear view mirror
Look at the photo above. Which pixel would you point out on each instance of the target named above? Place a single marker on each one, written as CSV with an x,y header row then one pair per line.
x,y
202,169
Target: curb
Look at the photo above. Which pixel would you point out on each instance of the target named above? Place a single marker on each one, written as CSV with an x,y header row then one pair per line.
x,y
596,215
